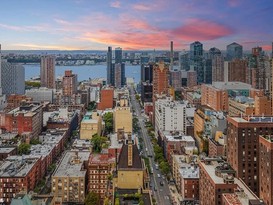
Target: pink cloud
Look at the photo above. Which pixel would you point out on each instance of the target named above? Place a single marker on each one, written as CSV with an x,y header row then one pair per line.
x,y
115,4
198,29
267,47
233,3
142,7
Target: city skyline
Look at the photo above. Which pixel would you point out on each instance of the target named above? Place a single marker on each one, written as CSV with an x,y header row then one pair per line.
x,y
81,25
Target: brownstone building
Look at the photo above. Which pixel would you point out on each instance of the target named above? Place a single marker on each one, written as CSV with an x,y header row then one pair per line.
x,y
243,146
266,167
15,101
106,98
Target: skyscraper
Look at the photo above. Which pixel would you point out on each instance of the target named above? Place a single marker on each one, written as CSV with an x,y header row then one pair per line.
x,y
118,55
196,60
214,66
147,73
109,66
47,71
234,51
12,78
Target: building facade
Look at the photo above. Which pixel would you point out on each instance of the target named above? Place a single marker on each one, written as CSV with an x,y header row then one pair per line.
x,y
47,71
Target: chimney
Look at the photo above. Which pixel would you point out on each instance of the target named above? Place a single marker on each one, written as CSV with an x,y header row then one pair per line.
x,y
130,151
171,56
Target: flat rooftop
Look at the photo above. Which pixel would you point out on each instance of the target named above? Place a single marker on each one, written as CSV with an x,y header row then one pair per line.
x,y
254,119
6,150
177,137
17,166
71,166
42,150
231,85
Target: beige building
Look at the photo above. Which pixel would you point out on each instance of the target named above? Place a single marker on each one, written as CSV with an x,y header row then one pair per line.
x,y
132,173
239,107
91,124
123,119
68,181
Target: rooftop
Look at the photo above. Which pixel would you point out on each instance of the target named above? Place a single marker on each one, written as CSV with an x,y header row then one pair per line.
x,y
71,164
218,170
253,119
123,158
27,110
177,136
17,166
230,86
6,150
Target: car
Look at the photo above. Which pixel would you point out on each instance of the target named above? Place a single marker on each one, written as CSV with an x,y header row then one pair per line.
x,y
155,188
161,183
158,175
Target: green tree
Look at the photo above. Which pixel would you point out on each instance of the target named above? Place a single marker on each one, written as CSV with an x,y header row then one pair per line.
x,y
108,119
137,97
92,199
98,142
164,167
34,141
33,84
117,201
92,105
24,148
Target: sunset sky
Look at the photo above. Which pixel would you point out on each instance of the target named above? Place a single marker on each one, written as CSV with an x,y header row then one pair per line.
x,y
134,24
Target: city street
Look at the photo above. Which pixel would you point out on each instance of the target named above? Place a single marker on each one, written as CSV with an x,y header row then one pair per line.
x,y
161,192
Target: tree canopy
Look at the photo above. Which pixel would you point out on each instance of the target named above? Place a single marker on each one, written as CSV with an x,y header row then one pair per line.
x,y
92,199
24,148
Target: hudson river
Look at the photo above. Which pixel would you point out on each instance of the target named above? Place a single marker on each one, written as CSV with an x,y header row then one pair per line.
x,y
84,72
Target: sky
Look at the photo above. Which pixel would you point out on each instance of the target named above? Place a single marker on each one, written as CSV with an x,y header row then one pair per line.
x,y
134,24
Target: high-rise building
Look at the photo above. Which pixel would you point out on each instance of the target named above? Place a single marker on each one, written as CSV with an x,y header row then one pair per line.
x,y
47,71
184,61
160,78
266,167
170,115
70,83
12,78
218,68
109,66
147,73
235,70
234,51
196,60
210,69
243,146
175,79
118,55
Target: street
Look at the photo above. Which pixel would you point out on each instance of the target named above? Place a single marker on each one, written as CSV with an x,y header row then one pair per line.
x,y
160,191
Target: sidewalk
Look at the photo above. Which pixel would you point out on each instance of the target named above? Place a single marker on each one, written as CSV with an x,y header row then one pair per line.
x,y
175,196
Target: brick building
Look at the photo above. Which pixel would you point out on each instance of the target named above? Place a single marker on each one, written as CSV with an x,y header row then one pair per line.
x,y
28,118
99,169
266,167
106,99
18,174
243,146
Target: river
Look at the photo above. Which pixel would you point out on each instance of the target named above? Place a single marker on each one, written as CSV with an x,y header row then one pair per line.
x,y
84,72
